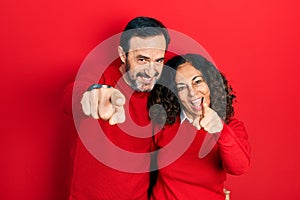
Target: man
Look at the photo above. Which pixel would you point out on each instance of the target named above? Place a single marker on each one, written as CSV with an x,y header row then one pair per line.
x,y
121,97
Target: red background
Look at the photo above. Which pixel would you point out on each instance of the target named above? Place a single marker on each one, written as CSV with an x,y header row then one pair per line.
x,y
42,44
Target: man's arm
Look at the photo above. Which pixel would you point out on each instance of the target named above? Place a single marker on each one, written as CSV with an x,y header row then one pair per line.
x,y
104,103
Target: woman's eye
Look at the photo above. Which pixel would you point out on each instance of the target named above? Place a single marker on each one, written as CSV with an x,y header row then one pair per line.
x,y
181,88
197,82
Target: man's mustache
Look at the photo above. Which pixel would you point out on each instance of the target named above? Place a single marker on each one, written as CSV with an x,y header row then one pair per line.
x,y
144,75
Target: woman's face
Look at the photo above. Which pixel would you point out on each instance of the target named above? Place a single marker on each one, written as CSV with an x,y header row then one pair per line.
x,y
192,89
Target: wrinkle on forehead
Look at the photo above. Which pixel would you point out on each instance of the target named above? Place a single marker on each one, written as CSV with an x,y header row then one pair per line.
x,y
186,72
156,42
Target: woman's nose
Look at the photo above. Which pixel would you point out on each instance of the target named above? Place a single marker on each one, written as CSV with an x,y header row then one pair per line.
x,y
191,91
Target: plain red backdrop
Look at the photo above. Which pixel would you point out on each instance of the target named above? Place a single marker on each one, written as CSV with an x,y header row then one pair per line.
x,y
42,44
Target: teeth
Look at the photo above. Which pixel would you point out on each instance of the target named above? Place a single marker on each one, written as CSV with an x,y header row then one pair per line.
x,y
147,79
197,102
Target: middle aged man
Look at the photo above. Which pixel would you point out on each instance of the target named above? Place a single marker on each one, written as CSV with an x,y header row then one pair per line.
x,y
142,50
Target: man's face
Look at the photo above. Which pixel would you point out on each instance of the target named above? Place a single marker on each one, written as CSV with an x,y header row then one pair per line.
x,y
144,62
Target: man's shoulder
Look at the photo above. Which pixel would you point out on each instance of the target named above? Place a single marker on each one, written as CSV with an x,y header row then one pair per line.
x,y
111,75
112,69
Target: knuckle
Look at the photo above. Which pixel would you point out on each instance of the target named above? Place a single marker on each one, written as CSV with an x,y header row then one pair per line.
x,y
95,116
105,115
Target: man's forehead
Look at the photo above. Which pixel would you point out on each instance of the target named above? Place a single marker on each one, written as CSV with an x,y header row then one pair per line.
x,y
154,42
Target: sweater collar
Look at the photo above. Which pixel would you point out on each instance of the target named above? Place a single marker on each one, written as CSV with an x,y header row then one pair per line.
x,y
183,117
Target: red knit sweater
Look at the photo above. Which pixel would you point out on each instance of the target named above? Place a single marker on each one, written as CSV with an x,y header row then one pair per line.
x,y
93,179
192,177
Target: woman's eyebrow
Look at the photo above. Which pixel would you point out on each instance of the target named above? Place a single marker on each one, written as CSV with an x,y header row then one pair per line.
x,y
197,77
180,83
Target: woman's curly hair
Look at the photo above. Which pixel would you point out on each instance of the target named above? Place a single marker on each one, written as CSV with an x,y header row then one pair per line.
x,y
165,92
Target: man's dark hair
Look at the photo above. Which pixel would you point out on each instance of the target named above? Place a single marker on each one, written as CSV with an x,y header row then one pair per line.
x,y
143,27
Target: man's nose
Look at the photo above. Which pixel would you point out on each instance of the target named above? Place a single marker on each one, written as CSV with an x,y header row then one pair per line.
x,y
151,69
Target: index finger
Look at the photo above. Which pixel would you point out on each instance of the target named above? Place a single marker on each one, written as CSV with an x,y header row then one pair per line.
x,y
117,98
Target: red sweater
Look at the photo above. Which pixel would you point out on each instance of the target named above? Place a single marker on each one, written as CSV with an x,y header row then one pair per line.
x,y
191,177
93,179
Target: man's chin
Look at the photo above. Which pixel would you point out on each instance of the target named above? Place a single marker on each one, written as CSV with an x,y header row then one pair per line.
x,y
146,88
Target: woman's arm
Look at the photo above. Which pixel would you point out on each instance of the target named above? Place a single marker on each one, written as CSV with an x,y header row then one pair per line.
x,y
234,148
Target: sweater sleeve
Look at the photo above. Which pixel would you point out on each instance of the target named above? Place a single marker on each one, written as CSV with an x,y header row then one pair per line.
x,y
71,99
74,91
234,148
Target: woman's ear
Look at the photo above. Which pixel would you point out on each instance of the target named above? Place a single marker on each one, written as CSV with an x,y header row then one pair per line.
x,y
122,54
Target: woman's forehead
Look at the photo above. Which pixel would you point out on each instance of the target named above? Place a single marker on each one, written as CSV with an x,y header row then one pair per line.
x,y
187,72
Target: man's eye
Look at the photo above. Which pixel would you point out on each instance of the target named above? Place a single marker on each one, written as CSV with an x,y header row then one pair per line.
x,y
160,61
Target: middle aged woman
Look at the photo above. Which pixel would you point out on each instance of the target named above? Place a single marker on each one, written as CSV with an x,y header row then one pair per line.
x,y
204,112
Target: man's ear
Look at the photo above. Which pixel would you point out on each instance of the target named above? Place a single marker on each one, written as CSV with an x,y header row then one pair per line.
x,y
122,54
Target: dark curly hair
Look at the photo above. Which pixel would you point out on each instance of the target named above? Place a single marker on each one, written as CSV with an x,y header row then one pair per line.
x,y
165,92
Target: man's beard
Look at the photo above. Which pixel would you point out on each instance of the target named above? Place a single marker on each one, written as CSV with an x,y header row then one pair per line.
x,y
133,83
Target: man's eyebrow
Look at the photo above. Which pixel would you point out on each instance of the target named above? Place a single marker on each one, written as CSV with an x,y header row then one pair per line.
x,y
162,58
144,57
148,58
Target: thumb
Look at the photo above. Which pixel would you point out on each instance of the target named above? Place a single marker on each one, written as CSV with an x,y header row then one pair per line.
x,y
117,98
118,116
196,123
205,107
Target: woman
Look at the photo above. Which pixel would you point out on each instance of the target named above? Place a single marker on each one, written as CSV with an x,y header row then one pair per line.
x,y
204,113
